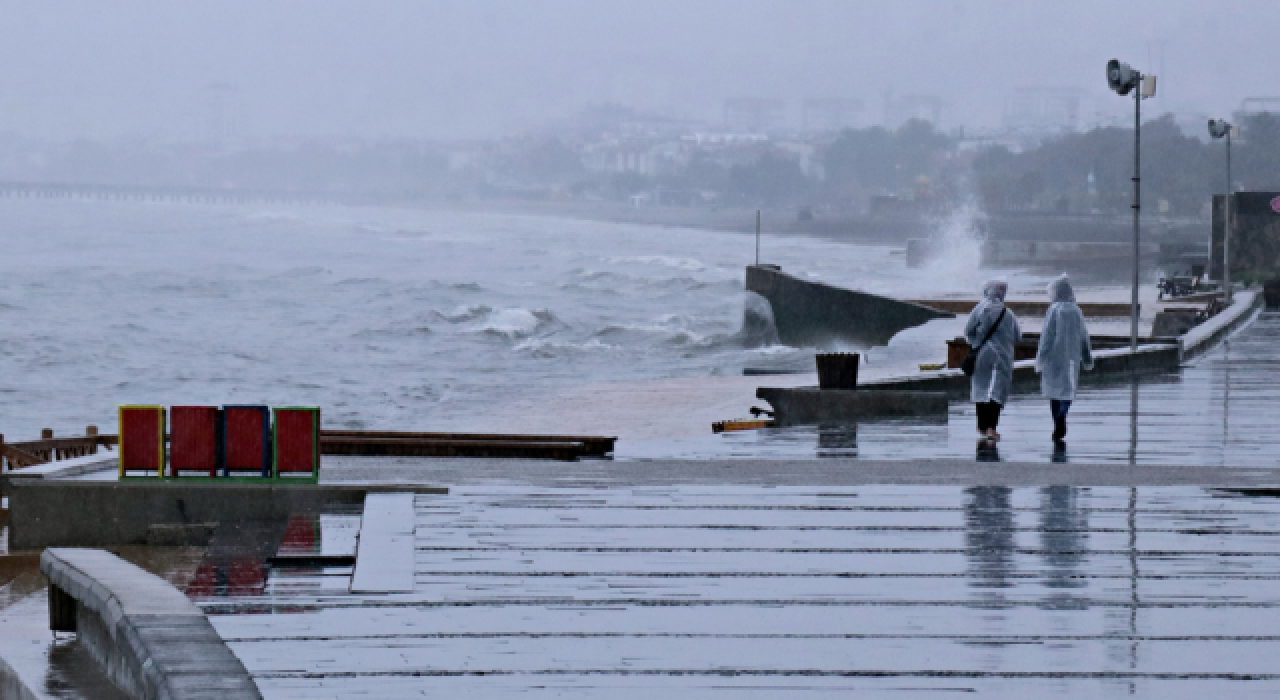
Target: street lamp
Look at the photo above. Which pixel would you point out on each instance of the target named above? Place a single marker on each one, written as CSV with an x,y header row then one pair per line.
x,y
1219,128
1123,79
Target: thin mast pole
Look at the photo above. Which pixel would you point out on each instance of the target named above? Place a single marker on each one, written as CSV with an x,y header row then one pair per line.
x,y
1137,209
1226,229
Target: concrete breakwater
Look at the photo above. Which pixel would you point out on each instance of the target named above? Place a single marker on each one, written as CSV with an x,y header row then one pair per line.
x,y
820,315
807,404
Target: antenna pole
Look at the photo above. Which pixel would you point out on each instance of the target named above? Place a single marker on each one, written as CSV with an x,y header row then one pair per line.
x,y
757,238
1137,211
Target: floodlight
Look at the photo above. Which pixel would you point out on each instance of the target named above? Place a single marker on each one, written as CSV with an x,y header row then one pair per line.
x,y
1120,77
1123,79
1217,129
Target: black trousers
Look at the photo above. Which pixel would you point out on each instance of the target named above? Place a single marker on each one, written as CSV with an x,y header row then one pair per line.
x,y
988,415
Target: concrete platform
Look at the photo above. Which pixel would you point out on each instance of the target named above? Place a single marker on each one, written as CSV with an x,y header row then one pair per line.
x,y
813,405
111,513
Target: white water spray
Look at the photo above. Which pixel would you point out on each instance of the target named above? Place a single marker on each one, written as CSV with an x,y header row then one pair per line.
x,y
956,251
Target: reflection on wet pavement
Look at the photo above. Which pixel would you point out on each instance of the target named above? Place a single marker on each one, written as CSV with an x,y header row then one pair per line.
x,y
706,590
1219,410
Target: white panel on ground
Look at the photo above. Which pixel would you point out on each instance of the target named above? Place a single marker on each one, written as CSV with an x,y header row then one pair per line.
x,y
384,555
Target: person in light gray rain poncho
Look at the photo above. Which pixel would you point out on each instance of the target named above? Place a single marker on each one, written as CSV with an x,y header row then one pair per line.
x,y
1064,349
993,369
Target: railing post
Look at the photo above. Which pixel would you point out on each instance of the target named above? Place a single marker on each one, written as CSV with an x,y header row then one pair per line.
x,y
91,432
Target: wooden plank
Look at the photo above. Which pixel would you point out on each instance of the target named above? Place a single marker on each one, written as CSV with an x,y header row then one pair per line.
x,y
594,445
385,553
418,447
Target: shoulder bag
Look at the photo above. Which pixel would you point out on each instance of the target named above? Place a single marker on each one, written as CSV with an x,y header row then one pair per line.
x,y
971,360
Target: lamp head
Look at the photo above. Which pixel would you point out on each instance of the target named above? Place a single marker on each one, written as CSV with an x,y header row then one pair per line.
x,y
1218,128
1120,77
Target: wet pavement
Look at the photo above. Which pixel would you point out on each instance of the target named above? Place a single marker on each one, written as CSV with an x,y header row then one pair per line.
x,y
796,576
733,590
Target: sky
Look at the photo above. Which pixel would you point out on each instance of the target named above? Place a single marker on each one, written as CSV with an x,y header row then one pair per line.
x,y
450,69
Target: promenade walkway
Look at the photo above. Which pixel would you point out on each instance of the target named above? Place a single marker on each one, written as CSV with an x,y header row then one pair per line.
x,y
740,590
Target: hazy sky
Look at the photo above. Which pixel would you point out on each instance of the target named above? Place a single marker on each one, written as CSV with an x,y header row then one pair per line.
x,y
444,69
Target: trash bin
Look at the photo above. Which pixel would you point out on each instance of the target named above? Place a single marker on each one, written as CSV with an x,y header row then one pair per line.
x,y
838,370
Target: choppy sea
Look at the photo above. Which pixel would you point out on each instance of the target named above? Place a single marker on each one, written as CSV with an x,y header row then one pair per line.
x,y
385,318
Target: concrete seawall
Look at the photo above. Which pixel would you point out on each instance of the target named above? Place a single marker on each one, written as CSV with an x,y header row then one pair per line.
x,y
813,314
150,639
1108,365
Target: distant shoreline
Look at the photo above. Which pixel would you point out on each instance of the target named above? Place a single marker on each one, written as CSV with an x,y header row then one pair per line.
x,y
726,220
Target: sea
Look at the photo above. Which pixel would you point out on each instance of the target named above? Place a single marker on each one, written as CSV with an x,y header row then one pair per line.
x,y
395,318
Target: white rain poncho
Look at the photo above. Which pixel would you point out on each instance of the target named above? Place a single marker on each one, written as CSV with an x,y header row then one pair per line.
x,y
993,371
1064,344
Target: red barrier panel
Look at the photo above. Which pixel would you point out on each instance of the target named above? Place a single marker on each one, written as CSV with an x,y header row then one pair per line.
x,y
142,439
246,439
297,441
193,439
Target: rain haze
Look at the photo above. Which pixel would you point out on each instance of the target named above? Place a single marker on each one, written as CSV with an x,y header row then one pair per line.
x,y
613,349
483,69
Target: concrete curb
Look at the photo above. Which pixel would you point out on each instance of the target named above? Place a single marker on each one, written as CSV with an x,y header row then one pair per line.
x,y
152,641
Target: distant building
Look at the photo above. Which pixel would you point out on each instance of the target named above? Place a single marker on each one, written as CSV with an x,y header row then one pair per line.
x,y
825,114
1257,105
223,115
1043,110
754,115
900,110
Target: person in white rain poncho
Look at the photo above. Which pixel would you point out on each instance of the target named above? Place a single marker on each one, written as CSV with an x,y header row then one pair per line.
x,y
993,369
1064,349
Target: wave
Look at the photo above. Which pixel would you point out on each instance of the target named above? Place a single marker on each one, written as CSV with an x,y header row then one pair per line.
x,y
462,314
515,323
307,271
549,348
664,260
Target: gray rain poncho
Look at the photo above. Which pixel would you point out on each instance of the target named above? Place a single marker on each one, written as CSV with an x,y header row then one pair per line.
x,y
993,371
1064,344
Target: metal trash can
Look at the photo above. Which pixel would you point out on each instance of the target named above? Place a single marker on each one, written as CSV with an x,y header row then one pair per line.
x,y
838,370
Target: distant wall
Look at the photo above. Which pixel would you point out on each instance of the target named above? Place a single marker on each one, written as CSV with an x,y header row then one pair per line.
x,y
1255,235
813,314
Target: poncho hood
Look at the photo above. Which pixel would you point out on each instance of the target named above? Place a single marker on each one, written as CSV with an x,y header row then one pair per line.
x,y
1060,290
995,290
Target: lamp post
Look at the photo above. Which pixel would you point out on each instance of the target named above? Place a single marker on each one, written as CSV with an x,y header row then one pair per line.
x,y
1123,79
1218,128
